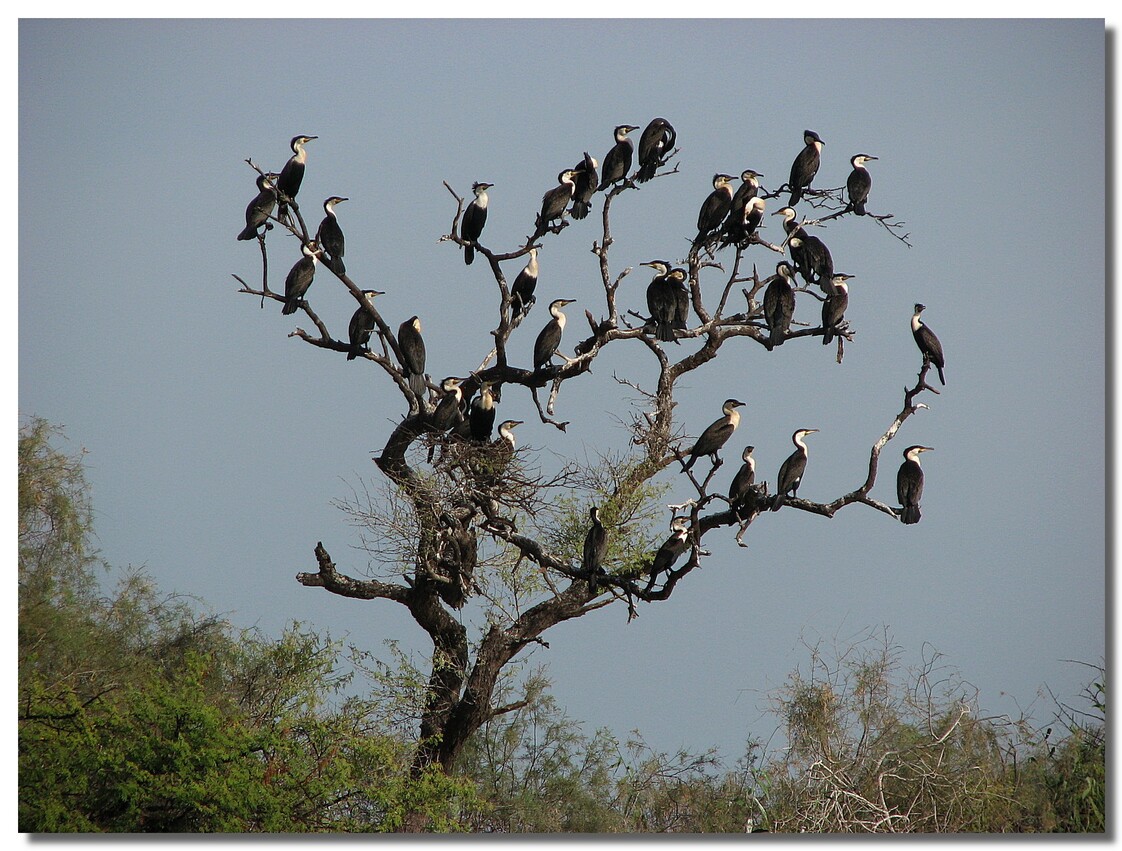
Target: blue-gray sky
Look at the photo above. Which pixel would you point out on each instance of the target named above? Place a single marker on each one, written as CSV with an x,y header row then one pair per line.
x,y
217,443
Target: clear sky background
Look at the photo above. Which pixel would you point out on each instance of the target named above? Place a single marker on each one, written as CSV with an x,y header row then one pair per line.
x,y
217,443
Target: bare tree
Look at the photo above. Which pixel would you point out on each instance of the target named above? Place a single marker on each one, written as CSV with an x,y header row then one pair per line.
x,y
468,517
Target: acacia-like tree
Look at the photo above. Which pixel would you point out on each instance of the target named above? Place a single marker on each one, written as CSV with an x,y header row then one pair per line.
x,y
462,517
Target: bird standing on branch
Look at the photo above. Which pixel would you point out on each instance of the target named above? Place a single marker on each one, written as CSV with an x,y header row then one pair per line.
x,y
928,343
292,175
257,213
361,326
300,277
791,471
909,484
617,163
717,434
330,236
475,217
655,145
805,166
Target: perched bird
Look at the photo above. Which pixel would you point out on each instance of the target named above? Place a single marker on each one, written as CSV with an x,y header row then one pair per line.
x,y
928,343
585,181
779,304
554,202
745,477
717,434
300,277
330,236
522,291
655,145
833,308
812,259
412,347
447,415
749,188
481,414
362,326
662,300
909,484
475,216
257,213
292,175
677,281
617,163
595,547
672,548
858,184
791,472
793,230
805,166
749,218
503,447
550,336
714,210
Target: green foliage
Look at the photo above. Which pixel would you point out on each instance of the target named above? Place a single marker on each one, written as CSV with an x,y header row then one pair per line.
x,y
136,714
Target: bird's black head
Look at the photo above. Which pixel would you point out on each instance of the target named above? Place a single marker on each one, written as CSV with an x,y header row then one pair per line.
x,y
749,174
810,137
480,186
920,308
299,141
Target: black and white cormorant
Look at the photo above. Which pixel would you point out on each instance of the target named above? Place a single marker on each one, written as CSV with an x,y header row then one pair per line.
x,y
812,259
791,471
292,175
330,236
716,434
928,343
741,484
550,336
555,202
503,447
909,484
481,414
859,183
361,327
300,277
475,217
655,145
749,188
805,166
714,210
672,548
585,182
677,280
595,548
748,220
779,304
447,414
792,228
617,163
412,347
257,213
522,291
662,300
834,307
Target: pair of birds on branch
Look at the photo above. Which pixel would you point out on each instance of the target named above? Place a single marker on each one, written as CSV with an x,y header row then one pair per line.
x,y
803,170
779,304
578,184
